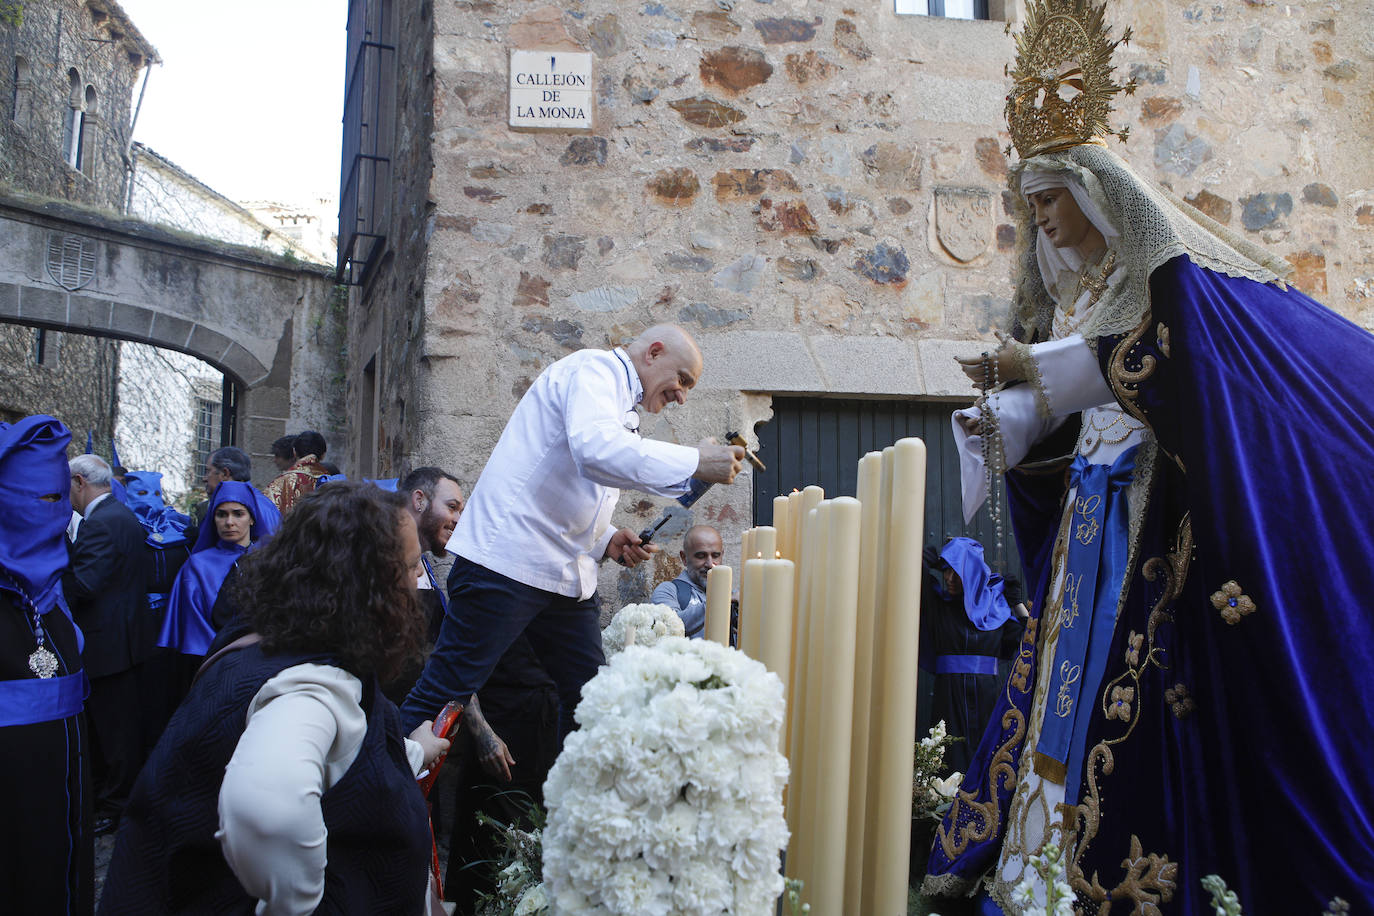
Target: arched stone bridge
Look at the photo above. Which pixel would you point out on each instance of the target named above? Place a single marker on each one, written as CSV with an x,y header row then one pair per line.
x,y
265,321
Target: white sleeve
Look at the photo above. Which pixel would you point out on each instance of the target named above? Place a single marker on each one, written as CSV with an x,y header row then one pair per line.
x,y
607,453
1022,426
1066,377
415,756
603,540
304,729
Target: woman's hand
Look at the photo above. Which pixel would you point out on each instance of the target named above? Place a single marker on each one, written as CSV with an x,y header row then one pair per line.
x,y
434,746
1004,362
972,425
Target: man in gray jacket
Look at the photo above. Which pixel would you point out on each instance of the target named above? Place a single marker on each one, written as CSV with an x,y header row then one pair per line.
x,y
701,551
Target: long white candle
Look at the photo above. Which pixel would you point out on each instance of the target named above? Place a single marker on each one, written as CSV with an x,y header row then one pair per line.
x,y
746,554
836,708
870,490
809,690
775,643
900,635
718,582
761,546
751,607
781,522
881,609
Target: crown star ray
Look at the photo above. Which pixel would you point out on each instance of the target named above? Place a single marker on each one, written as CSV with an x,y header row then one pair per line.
x,y
1062,81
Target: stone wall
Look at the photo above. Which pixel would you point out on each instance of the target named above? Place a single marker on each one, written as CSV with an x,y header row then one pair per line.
x,y
817,191
107,52
387,315
1260,114
76,382
159,393
162,192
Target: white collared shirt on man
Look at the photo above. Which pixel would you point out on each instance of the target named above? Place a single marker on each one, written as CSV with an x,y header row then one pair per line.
x,y
541,511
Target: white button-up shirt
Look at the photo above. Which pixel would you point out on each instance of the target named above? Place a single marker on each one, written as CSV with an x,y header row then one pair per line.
x,y
540,513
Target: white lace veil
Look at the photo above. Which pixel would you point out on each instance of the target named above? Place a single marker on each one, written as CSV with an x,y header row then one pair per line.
x,y
1153,226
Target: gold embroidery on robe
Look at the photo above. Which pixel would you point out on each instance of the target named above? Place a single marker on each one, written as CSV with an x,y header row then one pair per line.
x,y
1233,603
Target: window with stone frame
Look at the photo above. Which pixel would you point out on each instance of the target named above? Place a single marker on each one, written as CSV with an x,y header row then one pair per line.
x,y
208,415
23,92
951,9
88,135
44,348
369,127
71,127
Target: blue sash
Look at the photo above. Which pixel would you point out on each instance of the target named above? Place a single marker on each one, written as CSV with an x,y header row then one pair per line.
x,y
1098,550
965,664
434,583
33,700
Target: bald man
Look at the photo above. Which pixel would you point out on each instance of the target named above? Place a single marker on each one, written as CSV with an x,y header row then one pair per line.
x,y
701,551
539,518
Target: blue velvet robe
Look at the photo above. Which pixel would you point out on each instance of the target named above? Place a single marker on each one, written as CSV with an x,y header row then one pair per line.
x,y
188,627
1232,730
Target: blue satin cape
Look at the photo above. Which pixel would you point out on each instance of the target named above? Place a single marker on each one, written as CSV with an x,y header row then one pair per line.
x,y
983,601
1231,731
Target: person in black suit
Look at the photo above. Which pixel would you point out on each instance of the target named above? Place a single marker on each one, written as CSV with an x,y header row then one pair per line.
x,y
107,589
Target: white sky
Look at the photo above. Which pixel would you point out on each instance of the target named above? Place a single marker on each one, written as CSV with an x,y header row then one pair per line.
x,y
249,95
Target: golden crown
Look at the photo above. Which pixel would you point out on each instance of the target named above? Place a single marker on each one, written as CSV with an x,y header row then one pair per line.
x,y
1063,86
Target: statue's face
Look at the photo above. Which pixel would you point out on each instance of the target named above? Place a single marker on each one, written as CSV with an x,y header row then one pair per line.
x,y
1057,214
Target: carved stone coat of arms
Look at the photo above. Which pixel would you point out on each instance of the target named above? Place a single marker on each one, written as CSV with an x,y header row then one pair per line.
x,y
962,223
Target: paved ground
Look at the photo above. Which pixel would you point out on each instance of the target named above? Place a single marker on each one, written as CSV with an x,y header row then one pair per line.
x,y
104,847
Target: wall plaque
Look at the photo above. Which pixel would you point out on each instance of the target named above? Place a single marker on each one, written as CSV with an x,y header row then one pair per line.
x,y
551,89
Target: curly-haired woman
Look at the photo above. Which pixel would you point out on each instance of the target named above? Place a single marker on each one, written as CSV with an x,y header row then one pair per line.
x,y
284,780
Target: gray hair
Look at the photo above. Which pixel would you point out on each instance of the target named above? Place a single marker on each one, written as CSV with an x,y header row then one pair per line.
x,y
93,468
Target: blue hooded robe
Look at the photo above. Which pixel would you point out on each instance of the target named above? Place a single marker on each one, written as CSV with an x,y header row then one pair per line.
x,y
187,626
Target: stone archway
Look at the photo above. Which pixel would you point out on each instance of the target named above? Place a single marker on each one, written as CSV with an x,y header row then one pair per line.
x,y
265,321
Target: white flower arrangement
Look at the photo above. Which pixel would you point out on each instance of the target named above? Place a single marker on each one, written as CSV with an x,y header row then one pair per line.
x,y
518,891
533,901
668,799
931,795
640,625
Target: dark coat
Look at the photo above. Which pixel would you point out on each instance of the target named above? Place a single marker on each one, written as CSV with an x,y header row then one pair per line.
x,y
107,589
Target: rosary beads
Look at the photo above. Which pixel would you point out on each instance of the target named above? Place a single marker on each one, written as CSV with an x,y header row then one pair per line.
x,y
993,456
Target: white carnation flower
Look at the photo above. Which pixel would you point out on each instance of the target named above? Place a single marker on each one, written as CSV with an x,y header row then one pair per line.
x,y
648,622
948,786
533,902
668,799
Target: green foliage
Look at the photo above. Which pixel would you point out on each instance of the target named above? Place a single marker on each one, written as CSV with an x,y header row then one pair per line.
x,y
518,868
12,12
930,795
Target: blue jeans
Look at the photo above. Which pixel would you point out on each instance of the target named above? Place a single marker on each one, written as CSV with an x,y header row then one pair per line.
x,y
486,612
